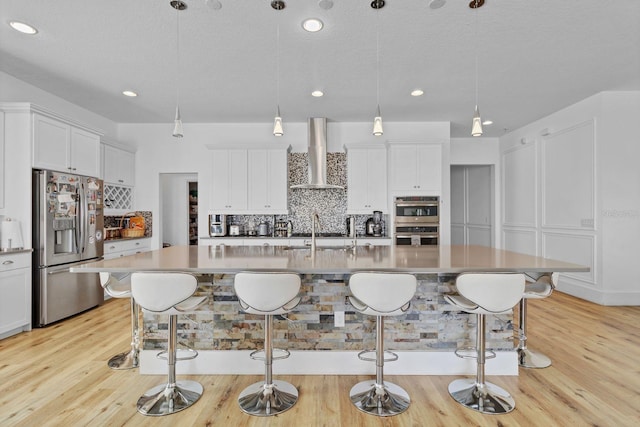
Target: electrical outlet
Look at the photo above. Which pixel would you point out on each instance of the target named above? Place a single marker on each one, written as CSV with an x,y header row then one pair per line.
x,y
586,222
338,319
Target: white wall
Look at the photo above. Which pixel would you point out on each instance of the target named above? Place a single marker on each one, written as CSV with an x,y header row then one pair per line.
x,y
594,219
619,180
158,152
15,90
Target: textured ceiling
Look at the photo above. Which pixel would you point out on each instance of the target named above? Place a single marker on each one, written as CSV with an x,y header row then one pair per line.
x,y
535,57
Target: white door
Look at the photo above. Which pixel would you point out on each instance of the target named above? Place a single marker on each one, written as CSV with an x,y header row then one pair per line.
x,y
174,201
472,205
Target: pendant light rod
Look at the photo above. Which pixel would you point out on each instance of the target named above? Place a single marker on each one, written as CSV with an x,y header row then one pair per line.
x,y
377,120
476,125
475,2
177,129
277,121
378,58
278,65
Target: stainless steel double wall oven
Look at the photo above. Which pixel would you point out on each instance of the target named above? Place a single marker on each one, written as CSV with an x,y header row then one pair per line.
x,y
417,220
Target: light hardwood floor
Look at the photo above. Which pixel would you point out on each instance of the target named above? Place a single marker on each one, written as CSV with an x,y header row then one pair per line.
x,y
58,376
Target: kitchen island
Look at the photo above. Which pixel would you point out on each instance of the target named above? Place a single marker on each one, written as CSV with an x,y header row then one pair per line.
x,y
425,337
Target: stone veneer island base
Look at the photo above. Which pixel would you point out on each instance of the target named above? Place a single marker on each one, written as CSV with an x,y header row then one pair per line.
x,y
425,337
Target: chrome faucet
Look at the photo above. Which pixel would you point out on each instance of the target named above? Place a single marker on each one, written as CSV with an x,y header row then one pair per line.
x,y
315,222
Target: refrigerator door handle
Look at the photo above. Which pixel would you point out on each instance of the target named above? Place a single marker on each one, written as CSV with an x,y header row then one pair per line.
x,y
51,273
78,231
81,216
70,266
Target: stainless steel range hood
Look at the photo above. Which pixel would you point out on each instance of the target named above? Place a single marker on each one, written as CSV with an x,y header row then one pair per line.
x,y
317,151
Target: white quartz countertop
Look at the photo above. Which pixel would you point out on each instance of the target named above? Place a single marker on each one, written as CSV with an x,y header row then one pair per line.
x,y
422,259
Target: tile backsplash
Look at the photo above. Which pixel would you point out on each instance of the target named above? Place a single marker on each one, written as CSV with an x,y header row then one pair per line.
x,y
114,221
330,204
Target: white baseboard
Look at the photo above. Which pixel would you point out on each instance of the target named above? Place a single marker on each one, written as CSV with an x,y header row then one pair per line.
x,y
609,298
211,362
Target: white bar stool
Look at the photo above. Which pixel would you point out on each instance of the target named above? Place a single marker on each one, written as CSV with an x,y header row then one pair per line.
x,y
268,294
380,295
536,287
482,294
172,294
118,289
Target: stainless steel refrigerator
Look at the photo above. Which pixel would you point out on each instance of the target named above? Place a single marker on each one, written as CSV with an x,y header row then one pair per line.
x,y
68,225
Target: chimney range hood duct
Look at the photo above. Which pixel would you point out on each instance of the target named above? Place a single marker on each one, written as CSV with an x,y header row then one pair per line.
x,y
317,152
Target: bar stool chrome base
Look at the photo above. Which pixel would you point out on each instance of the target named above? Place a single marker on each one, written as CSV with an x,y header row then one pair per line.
x,y
532,359
486,398
263,400
383,400
167,399
128,360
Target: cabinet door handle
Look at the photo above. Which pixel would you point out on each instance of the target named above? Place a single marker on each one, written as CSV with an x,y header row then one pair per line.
x,y
7,262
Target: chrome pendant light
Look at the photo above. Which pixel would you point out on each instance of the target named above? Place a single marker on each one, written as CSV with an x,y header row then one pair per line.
x,y
278,130
476,125
377,120
177,128
277,124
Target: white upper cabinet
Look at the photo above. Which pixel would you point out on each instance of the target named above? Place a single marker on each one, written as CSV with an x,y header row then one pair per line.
x,y
416,168
229,181
267,185
366,180
63,147
118,166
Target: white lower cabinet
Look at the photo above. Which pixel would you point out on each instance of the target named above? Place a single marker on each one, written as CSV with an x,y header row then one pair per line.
x,y
118,248
369,242
15,293
220,241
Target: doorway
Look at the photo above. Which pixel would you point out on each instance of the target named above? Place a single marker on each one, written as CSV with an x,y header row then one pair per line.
x,y
472,203
179,208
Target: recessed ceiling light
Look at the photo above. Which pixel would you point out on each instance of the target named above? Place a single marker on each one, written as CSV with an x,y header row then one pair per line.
x,y
129,93
312,25
487,122
317,93
325,4
213,4
23,28
417,92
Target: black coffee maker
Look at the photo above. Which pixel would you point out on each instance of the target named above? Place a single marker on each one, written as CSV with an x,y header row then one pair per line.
x,y
373,226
